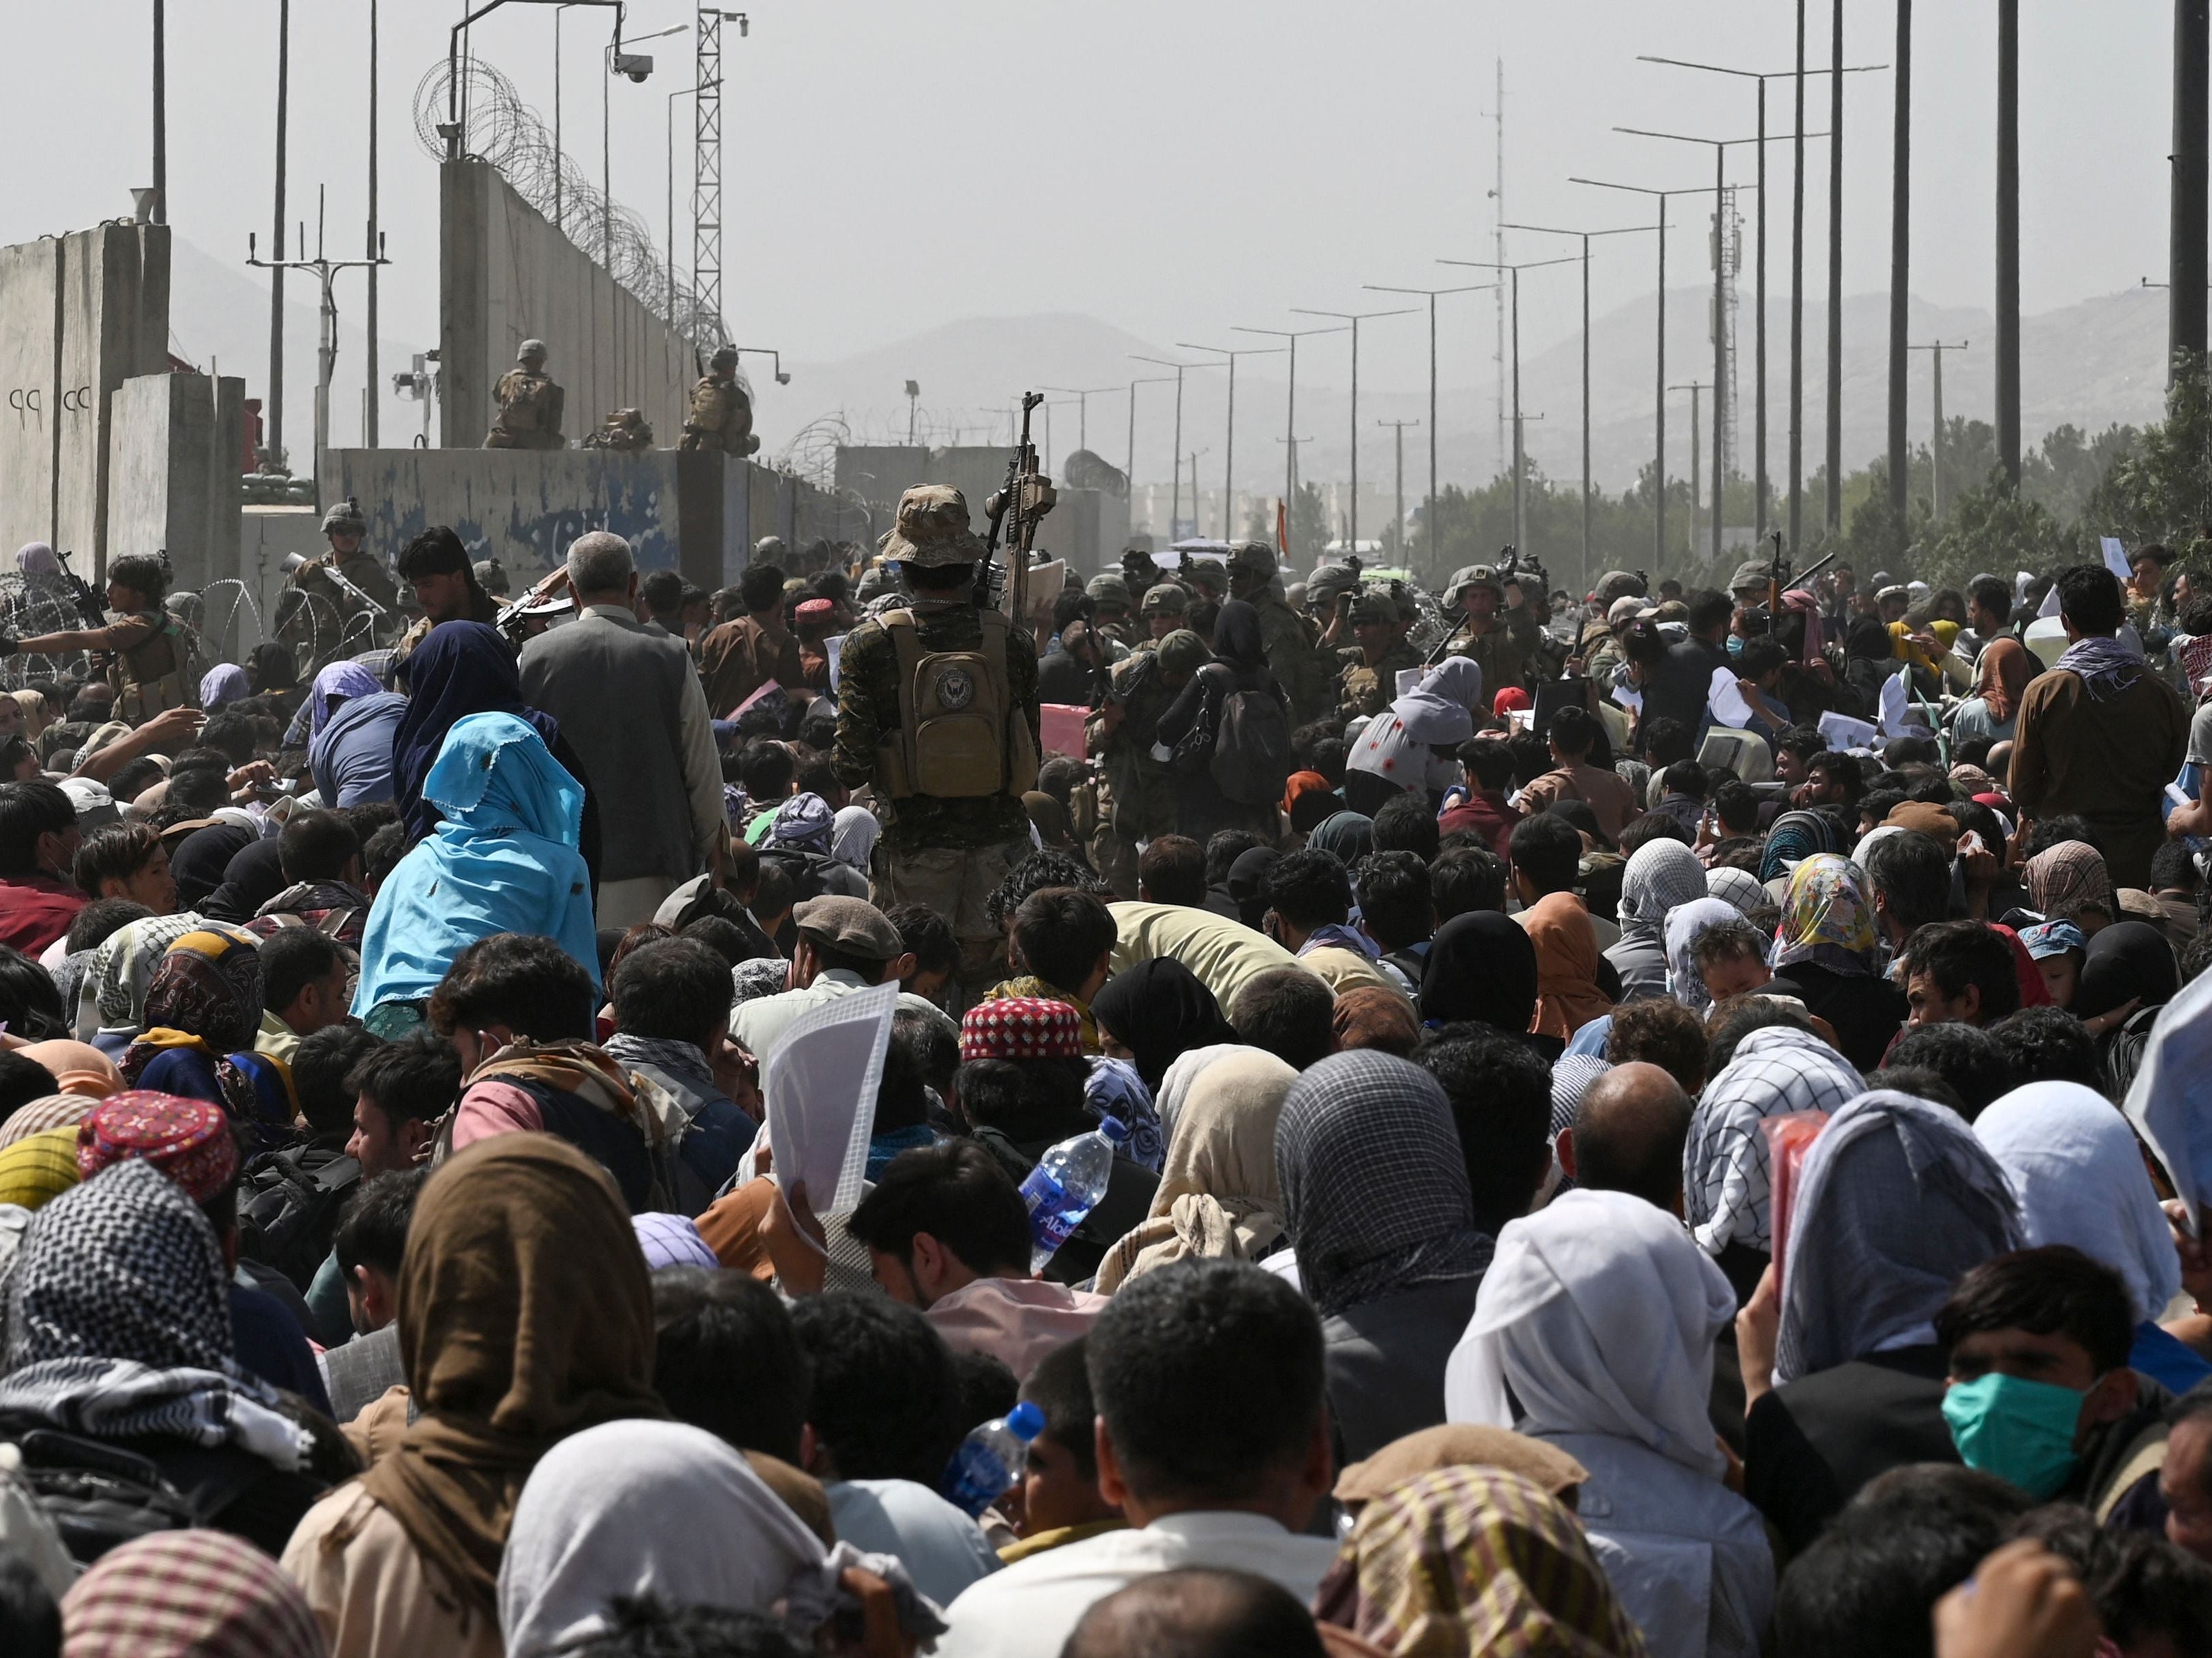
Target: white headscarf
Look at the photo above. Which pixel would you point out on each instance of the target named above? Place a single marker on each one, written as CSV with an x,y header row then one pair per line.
x,y
1397,744
1685,924
632,1507
852,836
1181,1072
2073,1166
1600,1315
1727,1182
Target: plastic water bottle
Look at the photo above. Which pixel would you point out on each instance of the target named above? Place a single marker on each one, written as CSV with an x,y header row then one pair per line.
x,y
989,1460
1065,1186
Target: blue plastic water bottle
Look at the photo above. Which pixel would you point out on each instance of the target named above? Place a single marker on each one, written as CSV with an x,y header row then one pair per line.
x,y
989,1460
1066,1185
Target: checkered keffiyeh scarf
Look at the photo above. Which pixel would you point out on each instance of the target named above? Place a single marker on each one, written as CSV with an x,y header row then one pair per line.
x,y
115,982
118,1325
201,1592
1726,1181
1375,1194
1021,1028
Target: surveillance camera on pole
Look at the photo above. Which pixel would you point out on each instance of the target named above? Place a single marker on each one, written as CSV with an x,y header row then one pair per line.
x,y
634,65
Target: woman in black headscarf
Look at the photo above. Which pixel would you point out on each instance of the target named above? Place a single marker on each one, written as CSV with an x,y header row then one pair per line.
x,y
1240,664
1481,966
1156,1012
1248,880
2127,975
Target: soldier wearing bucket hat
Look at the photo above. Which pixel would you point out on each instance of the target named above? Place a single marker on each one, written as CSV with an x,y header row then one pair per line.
x,y
937,712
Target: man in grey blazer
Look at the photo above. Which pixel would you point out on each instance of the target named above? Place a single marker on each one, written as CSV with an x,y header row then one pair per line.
x,y
629,701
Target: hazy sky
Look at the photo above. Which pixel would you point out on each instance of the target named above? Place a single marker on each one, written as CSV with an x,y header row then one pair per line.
x,y
1170,167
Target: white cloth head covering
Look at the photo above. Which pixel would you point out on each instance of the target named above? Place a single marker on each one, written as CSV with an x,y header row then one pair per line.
x,y
633,1508
1396,744
1737,887
1181,1072
1896,1199
1659,876
1600,1315
1685,924
1873,836
852,836
1728,1183
2073,1166
2165,1101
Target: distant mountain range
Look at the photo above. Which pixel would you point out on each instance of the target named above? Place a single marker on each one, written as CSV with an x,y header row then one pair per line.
x,y
2090,365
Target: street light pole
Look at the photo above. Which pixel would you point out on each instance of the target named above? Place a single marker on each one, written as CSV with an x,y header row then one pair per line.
x,y
1290,411
1553,230
1797,252
1175,508
1355,318
1935,349
1693,387
1229,453
1513,275
1082,396
1431,294
1155,380
1659,399
1398,428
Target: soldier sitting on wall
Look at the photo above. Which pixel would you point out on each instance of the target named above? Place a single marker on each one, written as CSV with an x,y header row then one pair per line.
x,y
721,416
624,431
530,405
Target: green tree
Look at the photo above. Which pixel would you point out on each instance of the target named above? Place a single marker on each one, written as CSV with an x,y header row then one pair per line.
x,y
1993,528
2161,488
1310,530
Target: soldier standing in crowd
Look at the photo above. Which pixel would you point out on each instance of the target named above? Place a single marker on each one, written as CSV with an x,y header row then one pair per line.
x,y
1110,593
1370,667
938,712
1500,640
1136,792
1302,665
721,413
144,645
1166,606
530,405
313,609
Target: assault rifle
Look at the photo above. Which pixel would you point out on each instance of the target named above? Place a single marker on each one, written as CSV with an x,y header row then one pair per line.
x,y
1026,497
1508,570
547,596
88,607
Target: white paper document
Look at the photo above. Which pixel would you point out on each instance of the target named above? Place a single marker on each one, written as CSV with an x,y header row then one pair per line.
x,y
819,1082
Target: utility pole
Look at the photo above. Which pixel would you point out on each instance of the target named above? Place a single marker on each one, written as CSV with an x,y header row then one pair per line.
x,y
1760,477
1693,387
1351,535
1659,397
1513,280
1082,396
1935,349
2007,307
162,111
1797,299
1399,427
1549,230
2186,264
1498,252
1175,508
1835,501
376,248
1429,516
275,424
326,270
1155,380
1900,234
1290,406
1229,447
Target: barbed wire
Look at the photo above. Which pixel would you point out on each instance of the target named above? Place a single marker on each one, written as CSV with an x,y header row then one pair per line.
x,y
812,452
498,127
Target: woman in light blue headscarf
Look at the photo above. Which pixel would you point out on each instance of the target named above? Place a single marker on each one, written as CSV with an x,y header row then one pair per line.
x,y
503,858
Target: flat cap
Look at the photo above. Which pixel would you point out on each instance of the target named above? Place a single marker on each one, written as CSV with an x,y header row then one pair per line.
x,y
852,926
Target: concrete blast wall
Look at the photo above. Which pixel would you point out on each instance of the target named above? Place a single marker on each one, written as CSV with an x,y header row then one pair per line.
x,y
172,473
79,315
505,276
1087,527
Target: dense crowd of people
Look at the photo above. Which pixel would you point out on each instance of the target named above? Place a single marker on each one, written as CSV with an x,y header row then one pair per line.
x,y
1660,1123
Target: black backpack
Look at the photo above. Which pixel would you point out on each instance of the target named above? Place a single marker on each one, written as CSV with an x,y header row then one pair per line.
x,y
101,1495
805,869
1251,757
288,1207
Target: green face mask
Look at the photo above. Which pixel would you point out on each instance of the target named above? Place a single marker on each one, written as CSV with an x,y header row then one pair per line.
x,y
2021,1431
